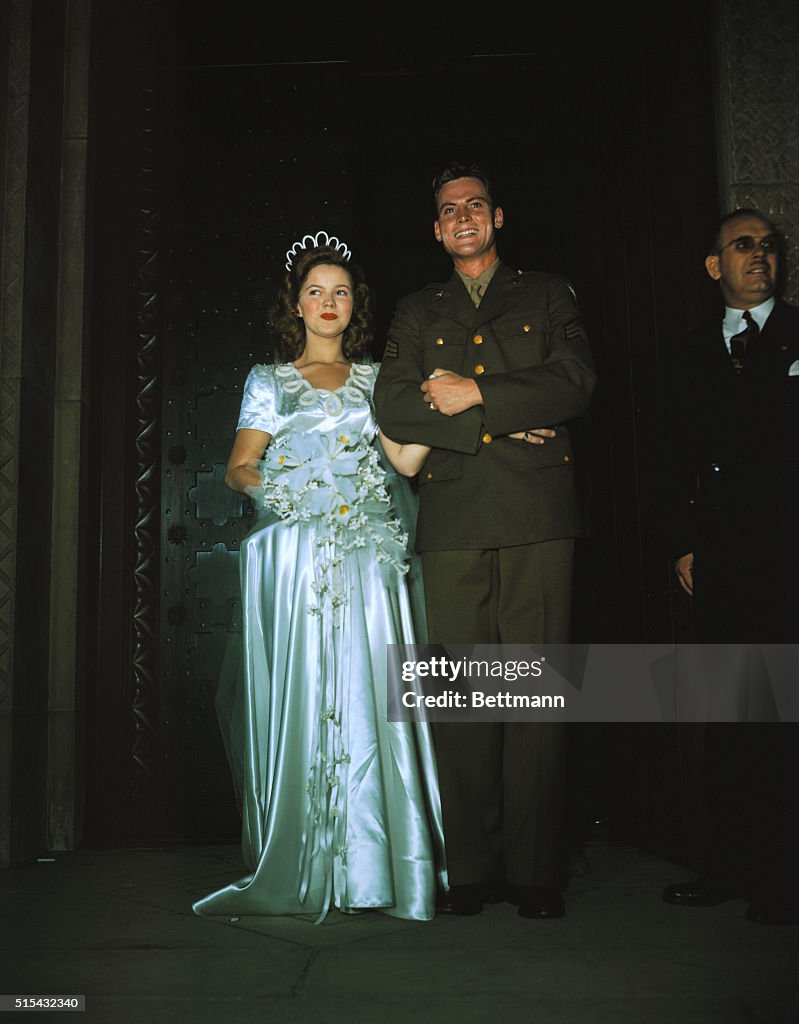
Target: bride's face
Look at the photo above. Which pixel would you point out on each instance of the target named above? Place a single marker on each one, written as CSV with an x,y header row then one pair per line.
x,y
326,301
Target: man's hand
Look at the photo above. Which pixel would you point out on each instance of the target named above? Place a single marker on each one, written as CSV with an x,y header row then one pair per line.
x,y
534,436
684,567
449,393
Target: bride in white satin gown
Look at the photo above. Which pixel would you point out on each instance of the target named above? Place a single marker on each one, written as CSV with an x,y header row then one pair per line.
x,y
340,807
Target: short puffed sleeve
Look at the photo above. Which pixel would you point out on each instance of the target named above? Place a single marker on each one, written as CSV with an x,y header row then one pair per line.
x,y
258,401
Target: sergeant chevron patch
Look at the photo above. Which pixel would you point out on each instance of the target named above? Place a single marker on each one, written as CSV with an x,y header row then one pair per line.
x,y
574,328
392,349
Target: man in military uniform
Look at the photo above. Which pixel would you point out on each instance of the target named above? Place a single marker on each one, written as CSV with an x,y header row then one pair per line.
x,y
469,363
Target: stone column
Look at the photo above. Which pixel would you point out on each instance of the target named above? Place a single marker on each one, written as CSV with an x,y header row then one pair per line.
x,y
43,106
757,49
16,37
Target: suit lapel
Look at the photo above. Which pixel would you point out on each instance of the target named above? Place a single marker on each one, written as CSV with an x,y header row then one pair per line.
x,y
778,345
720,354
452,300
505,290
709,356
777,330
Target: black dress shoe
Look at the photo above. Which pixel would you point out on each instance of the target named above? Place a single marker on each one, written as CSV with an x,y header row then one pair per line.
x,y
461,900
538,902
767,913
697,894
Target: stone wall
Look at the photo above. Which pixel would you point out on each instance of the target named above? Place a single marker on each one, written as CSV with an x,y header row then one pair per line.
x,y
757,50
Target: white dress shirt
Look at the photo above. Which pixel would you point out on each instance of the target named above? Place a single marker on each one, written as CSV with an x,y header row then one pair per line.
x,y
734,319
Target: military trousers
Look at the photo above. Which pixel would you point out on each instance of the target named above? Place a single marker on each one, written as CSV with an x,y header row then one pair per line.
x,y
502,783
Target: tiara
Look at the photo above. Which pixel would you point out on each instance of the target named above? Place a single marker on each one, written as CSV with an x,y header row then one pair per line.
x,y
313,242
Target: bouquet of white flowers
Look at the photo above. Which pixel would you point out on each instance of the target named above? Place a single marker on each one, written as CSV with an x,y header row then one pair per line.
x,y
342,484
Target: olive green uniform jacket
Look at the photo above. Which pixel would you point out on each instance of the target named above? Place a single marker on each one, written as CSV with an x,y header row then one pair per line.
x,y
526,347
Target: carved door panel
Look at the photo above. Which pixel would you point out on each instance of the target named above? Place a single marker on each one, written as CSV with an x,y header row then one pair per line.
x,y
232,202
225,184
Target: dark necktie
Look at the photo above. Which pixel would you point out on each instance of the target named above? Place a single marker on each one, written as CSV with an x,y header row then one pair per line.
x,y
741,344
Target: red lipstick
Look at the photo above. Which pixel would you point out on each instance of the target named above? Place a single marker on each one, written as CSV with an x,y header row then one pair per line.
x,y
329,316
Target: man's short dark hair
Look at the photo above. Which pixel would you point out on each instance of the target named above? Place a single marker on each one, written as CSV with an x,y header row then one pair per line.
x,y
745,211
456,170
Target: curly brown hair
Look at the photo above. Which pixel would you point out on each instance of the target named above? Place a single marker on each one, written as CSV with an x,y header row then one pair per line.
x,y
290,329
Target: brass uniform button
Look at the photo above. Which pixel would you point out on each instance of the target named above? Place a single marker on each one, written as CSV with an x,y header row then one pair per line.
x,y
479,369
429,476
527,328
478,339
487,439
566,458
439,341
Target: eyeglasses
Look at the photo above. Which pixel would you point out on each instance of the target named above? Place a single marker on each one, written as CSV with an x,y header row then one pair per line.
x,y
746,243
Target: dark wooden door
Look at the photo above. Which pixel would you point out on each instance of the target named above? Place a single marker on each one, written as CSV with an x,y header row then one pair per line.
x,y
217,141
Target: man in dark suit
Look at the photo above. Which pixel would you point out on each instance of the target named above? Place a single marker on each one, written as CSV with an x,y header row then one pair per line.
x,y
733,390
469,363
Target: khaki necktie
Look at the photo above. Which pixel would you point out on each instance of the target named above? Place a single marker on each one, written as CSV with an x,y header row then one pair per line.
x,y
476,292
741,344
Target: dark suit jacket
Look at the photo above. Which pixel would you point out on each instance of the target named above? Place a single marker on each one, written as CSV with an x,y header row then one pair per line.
x,y
526,346
732,482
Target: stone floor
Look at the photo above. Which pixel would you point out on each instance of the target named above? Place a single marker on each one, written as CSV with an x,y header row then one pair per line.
x,y
117,927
